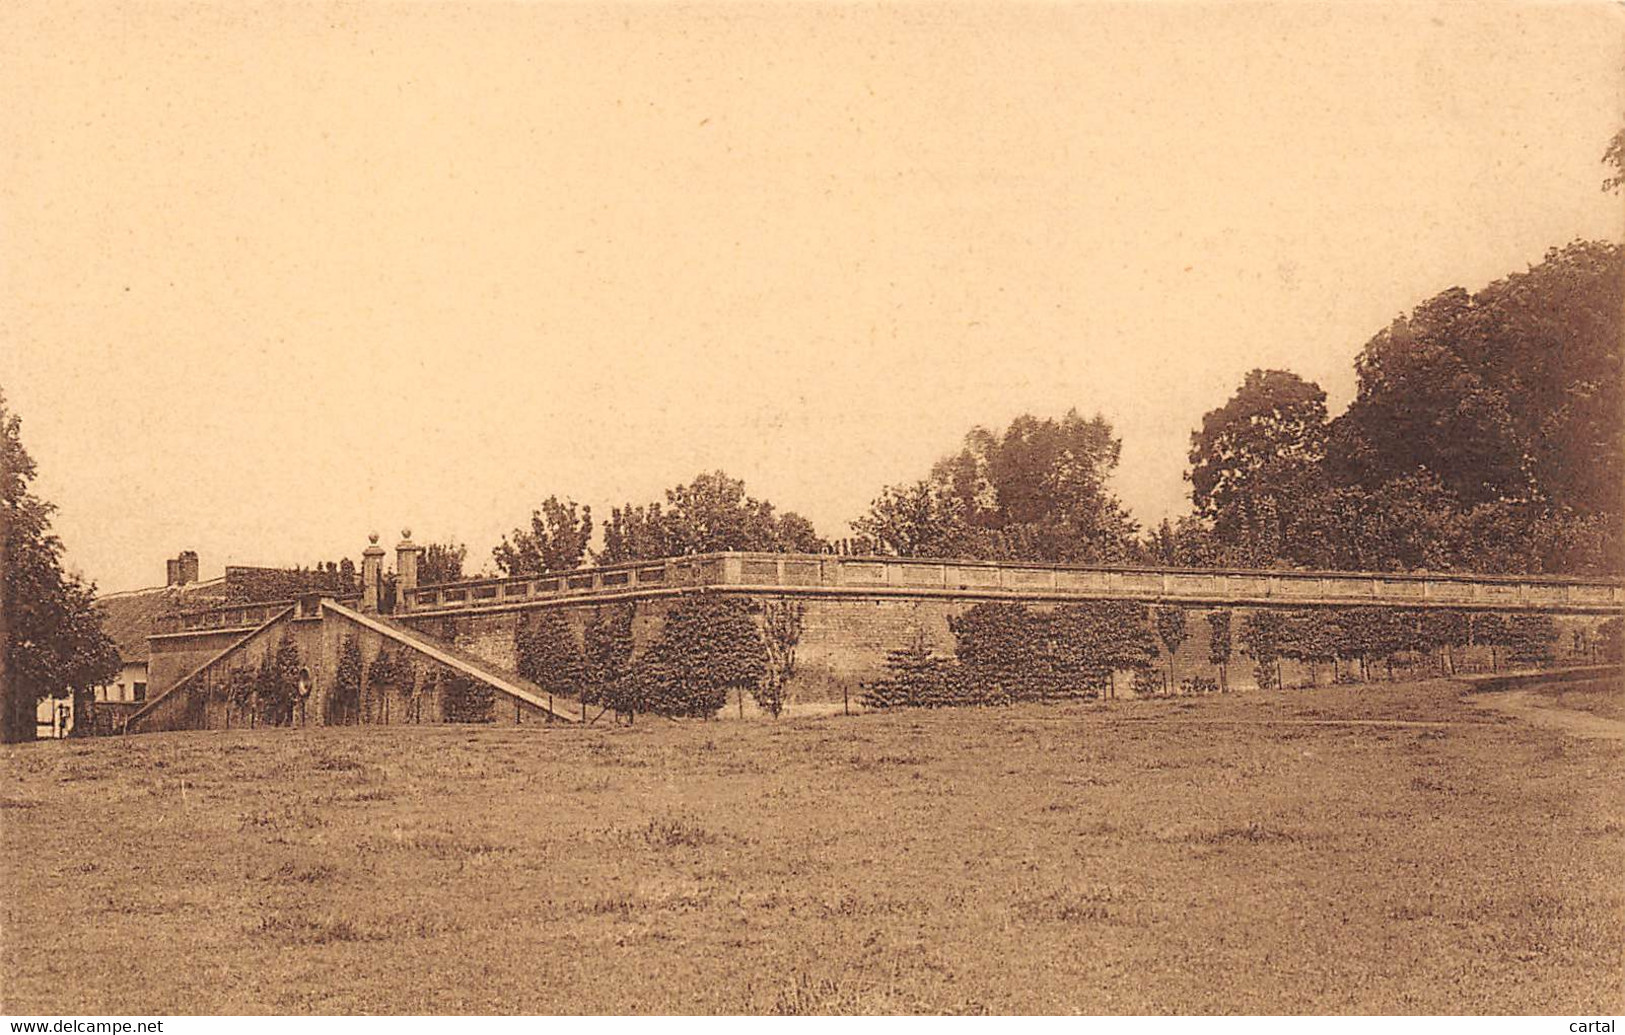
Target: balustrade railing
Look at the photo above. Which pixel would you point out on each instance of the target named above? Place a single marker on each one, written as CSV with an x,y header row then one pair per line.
x,y
896,575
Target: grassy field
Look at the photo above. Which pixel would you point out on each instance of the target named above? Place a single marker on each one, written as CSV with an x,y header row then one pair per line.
x,y
1263,853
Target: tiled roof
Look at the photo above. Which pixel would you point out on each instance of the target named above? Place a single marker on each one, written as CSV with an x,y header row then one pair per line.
x,y
129,618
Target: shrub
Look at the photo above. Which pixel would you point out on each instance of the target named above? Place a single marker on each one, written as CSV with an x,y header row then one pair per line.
x,y
1198,685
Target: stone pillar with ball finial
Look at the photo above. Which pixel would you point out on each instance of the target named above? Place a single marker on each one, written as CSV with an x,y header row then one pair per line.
x,y
406,570
372,574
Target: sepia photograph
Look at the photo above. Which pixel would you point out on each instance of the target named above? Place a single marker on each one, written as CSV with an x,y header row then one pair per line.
x,y
582,509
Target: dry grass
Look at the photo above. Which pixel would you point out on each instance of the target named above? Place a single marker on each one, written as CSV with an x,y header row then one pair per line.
x,y
1604,697
1155,857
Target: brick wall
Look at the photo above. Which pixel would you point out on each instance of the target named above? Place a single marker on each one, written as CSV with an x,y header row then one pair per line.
x,y
845,640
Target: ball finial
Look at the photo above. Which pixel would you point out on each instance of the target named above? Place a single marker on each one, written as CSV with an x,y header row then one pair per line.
x,y
406,533
372,537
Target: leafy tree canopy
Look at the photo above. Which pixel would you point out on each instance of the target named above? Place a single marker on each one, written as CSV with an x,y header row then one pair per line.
x,y
557,540
710,514
1038,492
53,638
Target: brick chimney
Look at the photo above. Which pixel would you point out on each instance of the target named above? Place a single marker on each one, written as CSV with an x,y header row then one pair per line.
x,y
183,569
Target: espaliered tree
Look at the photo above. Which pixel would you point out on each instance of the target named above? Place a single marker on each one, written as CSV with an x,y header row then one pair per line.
x,y
1312,636
1263,637
276,684
395,675
607,650
1445,630
708,646
237,690
781,634
1489,629
1530,639
464,699
1171,630
549,655
1003,652
344,703
1218,644
1092,641
1611,640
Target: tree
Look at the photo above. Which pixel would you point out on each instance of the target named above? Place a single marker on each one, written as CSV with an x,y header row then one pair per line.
x,y
915,678
442,562
708,646
557,540
53,641
781,633
1218,644
1410,523
1255,459
1511,393
1614,157
710,514
914,520
1171,630
1035,492
549,655
713,513
636,533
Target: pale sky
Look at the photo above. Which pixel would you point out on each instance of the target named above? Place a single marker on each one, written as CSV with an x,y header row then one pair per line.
x,y
273,277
